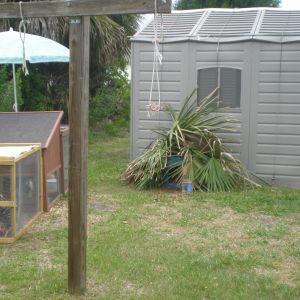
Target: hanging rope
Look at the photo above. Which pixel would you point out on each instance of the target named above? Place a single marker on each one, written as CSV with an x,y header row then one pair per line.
x,y
22,33
157,60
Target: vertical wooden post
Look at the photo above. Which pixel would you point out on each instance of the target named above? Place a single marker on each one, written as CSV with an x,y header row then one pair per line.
x,y
78,118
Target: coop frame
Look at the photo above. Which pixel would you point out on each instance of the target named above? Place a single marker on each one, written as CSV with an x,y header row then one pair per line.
x,y
64,133
12,203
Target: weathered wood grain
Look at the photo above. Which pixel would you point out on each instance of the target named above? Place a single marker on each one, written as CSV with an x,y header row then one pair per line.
x,y
78,105
78,120
59,8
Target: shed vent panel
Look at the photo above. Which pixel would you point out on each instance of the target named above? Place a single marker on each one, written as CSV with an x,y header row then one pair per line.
x,y
228,23
174,25
280,22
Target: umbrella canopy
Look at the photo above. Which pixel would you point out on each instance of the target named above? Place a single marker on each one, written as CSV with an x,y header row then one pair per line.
x,y
37,49
15,46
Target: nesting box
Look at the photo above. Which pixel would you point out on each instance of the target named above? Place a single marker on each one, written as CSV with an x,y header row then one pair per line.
x,y
20,189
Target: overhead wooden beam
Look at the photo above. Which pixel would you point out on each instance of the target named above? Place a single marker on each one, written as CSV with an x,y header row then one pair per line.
x,y
78,120
60,8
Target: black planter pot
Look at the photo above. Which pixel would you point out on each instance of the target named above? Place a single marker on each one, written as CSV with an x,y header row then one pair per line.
x,y
173,161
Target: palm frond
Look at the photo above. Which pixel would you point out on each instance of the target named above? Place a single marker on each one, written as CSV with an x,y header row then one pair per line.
x,y
194,135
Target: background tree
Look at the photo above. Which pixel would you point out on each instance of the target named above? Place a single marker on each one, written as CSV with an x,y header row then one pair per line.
x,y
192,4
46,88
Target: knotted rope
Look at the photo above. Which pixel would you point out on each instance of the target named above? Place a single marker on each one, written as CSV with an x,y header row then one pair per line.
x,y
22,25
157,60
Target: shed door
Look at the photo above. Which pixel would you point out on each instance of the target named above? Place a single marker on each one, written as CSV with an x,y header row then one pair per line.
x,y
274,148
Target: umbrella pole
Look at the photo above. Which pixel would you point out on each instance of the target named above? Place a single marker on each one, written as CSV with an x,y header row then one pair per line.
x,y
15,88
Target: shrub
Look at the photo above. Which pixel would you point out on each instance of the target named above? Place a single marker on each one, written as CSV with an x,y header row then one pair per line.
x,y
7,88
206,161
112,99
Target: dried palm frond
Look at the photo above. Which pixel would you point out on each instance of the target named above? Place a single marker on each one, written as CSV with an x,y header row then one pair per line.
x,y
194,136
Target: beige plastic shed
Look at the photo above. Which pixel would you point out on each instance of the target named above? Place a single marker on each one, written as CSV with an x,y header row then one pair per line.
x,y
253,55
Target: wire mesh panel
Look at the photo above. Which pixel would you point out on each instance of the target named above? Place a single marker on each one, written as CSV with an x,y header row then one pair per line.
x,y
53,186
66,161
5,183
6,214
27,189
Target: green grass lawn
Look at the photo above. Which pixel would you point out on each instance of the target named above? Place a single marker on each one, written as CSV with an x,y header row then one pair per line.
x,y
161,244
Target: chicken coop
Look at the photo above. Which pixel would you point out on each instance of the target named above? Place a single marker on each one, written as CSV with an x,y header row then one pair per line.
x,y
20,189
42,128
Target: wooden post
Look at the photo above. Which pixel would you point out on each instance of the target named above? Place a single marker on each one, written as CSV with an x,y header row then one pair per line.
x,y
78,118
78,106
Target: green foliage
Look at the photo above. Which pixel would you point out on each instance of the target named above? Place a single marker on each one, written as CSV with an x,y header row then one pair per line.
x,y
41,90
36,98
193,4
46,88
159,245
112,99
7,88
206,161
147,170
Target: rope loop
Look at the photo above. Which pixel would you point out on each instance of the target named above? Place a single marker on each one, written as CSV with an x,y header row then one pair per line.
x,y
157,60
22,32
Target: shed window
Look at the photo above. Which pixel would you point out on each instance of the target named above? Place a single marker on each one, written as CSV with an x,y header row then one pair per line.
x,y
229,81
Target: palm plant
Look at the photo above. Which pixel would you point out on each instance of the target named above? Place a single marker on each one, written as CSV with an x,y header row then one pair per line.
x,y
147,170
194,136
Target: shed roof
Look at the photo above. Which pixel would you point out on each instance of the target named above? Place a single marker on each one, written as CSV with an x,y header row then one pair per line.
x,y
225,25
29,127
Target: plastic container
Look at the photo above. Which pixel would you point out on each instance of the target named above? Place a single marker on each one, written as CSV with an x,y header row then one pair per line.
x,y
187,186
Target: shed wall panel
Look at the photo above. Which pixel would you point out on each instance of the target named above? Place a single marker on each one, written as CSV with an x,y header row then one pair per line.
x,y
165,95
275,151
270,150
273,66
286,77
279,108
275,119
171,81
224,55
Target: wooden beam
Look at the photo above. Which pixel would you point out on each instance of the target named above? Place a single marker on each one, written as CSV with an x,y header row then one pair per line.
x,y
78,120
60,8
